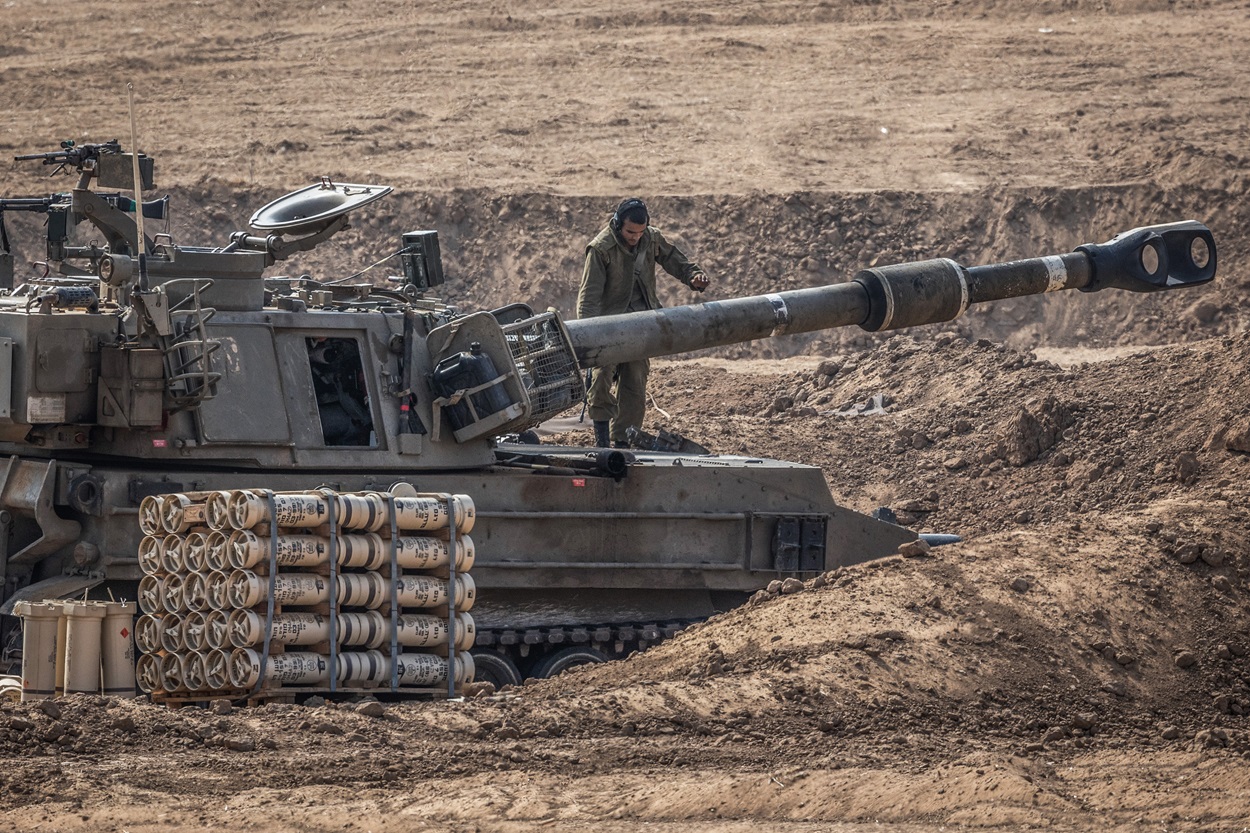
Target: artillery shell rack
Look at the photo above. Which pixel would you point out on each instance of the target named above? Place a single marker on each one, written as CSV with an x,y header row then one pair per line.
x,y
259,596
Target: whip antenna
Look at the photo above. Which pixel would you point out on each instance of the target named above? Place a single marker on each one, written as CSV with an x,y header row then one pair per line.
x,y
142,248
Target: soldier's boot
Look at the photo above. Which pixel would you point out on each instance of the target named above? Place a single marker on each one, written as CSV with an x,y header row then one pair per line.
x,y
631,437
602,438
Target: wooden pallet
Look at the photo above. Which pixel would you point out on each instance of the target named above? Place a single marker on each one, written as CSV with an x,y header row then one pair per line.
x,y
289,694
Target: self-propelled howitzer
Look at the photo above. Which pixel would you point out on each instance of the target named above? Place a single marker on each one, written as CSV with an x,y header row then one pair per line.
x,y
198,373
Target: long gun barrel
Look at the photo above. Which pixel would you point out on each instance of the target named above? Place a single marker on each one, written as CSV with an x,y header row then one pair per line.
x,y
71,153
36,204
48,158
1147,259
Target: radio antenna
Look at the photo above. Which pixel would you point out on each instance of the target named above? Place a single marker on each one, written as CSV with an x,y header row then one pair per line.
x,y
142,248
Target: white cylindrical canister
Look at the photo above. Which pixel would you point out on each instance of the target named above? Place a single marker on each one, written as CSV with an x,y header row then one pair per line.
x,y
247,589
367,551
195,552
247,549
195,592
193,672
363,666
421,512
216,551
217,585
426,630
217,670
150,595
361,590
217,629
179,513
173,670
148,632
150,555
429,511
429,670
148,672
247,628
171,554
171,635
362,512
466,669
82,647
427,591
39,641
247,509
425,552
368,629
150,516
171,594
290,668
119,649
217,510
195,631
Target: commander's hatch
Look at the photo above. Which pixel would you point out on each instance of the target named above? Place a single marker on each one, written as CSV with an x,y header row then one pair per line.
x,y
315,212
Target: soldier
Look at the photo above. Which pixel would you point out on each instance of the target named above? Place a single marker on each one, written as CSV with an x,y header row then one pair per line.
x,y
619,276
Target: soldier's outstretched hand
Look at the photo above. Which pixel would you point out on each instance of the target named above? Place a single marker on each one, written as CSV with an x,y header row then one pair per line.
x,y
699,282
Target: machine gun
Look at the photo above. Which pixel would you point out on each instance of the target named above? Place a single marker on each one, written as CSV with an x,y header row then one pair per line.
x,y
60,218
106,163
102,165
37,205
73,155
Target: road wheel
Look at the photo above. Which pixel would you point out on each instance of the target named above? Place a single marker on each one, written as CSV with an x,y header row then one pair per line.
x,y
496,669
566,658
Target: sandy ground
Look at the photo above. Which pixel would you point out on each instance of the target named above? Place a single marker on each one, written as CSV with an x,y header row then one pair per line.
x,y
1079,662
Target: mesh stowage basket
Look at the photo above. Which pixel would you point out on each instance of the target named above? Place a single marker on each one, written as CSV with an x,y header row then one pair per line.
x,y
548,368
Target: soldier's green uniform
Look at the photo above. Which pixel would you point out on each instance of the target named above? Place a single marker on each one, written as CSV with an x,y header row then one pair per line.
x,y
619,279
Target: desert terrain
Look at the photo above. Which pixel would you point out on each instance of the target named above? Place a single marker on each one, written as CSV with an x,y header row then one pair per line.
x,y
1080,661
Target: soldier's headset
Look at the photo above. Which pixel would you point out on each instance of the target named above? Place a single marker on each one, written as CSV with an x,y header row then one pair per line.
x,y
618,218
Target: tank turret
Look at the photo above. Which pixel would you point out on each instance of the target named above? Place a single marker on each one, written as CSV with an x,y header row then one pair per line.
x,y
142,367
